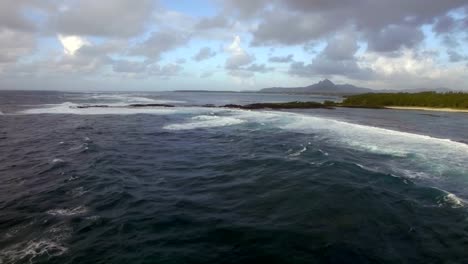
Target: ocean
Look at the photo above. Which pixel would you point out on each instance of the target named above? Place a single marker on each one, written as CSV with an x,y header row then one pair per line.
x,y
194,184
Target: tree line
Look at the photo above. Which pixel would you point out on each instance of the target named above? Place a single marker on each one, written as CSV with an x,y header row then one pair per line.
x,y
423,99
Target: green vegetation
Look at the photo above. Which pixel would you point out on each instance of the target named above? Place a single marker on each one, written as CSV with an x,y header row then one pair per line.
x,y
425,99
288,105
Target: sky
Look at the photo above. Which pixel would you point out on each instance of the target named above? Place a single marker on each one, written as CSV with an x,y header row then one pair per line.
x,y
159,45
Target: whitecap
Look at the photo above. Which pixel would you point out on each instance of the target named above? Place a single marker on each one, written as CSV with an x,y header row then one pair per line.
x,y
205,121
58,161
50,244
73,109
68,212
132,98
31,250
298,153
450,199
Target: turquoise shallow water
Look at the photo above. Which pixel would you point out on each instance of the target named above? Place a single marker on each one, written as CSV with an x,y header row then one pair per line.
x,y
192,184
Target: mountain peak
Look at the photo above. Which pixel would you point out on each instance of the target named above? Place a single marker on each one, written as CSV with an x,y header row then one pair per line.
x,y
326,82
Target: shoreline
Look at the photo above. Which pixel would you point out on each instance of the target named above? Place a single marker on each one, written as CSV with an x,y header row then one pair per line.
x,y
434,109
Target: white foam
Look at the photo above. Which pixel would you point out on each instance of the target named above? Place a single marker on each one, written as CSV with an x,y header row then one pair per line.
x,y
129,98
58,161
450,199
71,108
205,121
298,153
49,245
68,212
415,155
31,250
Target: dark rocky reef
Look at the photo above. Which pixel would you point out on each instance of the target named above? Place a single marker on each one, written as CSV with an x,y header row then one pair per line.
x,y
150,105
91,106
130,105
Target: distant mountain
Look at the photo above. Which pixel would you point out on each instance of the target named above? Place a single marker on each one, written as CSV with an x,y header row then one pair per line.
x,y
323,87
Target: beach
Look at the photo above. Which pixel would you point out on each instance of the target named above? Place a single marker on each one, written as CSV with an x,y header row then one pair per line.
x,y
427,109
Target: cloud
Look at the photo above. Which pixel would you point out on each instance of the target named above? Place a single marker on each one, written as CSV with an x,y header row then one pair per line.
x,y
13,13
338,58
279,59
393,38
105,18
213,22
167,70
245,8
204,53
127,66
261,68
158,43
14,45
241,74
206,74
238,56
389,27
285,28
455,56
72,43
145,69
411,70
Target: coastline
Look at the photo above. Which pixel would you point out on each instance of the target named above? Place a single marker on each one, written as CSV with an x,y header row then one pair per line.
x,y
427,109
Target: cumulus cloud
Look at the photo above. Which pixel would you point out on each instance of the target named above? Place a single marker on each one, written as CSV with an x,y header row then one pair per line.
x,y
281,59
159,42
72,43
301,21
261,68
393,38
238,56
204,53
337,58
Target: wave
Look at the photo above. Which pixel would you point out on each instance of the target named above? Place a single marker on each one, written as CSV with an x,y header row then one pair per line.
x,y
116,109
205,121
68,212
50,244
415,155
128,98
72,108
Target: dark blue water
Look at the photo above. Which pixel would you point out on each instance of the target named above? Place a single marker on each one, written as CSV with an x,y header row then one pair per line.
x,y
211,185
